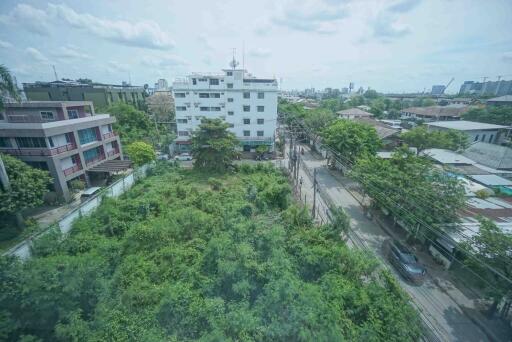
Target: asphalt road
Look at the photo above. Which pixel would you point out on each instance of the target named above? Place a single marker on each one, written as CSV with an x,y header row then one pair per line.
x,y
441,314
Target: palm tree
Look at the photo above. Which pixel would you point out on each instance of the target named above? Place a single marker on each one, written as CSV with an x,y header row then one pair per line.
x,y
7,85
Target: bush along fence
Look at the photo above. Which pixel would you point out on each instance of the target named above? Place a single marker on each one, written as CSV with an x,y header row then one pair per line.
x,y
23,249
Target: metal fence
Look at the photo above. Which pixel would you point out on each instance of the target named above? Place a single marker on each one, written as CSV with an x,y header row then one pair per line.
x,y
65,223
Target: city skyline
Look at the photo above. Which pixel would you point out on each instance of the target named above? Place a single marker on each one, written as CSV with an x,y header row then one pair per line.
x,y
390,46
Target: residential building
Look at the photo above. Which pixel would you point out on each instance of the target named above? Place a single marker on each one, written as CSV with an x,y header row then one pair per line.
x,y
476,131
353,113
505,100
66,138
248,104
434,113
389,136
101,95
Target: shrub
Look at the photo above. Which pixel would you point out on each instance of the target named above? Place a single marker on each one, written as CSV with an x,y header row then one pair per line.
x,y
215,183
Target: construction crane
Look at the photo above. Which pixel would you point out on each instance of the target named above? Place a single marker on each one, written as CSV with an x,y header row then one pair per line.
x,y
55,73
447,85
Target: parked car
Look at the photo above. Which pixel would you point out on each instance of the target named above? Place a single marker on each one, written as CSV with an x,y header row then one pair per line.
x,y
183,156
406,262
89,193
162,156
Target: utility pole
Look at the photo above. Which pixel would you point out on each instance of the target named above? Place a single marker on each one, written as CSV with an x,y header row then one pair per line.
x,y
4,179
314,193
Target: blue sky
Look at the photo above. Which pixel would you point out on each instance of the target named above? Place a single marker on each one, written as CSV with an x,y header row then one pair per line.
x,y
395,45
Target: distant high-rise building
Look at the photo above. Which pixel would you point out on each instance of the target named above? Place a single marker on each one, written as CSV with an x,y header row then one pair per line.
x,y
497,88
438,89
161,85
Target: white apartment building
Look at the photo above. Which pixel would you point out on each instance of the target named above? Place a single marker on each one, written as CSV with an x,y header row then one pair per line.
x,y
248,104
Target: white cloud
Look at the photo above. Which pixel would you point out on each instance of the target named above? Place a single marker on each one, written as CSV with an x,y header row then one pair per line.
x,y
507,56
146,33
259,52
5,45
163,62
386,25
28,17
70,52
309,16
36,55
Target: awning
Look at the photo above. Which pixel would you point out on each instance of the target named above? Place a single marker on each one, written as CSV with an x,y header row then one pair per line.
x,y
112,166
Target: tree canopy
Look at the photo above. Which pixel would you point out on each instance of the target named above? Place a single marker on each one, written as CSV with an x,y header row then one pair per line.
x,y
499,115
410,187
7,85
213,146
174,259
421,138
27,186
131,124
351,139
141,153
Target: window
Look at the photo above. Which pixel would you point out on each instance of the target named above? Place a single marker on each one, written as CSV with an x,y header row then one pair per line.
x,y
214,81
215,95
204,95
201,79
204,109
261,109
247,108
215,109
194,82
230,99
231,125
247,95
247,121
183,121
73,113
259,133
181,108
5,142
50,140
491,137
47,116
23,142
91,154
261,121
198,117
476,138
247,133
229,85
2,117
229,73
231,113
87,135
483,137
261,95
179,95
183,133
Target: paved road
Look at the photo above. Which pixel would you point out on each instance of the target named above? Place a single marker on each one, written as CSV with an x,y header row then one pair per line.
x,y
439,311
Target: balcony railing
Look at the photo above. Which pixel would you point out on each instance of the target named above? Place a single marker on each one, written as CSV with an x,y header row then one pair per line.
x,y
255,138
109,135
38,151
72,169
94,160
112,152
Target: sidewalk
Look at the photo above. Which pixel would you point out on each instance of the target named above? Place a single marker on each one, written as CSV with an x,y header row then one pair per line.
x,y
452,316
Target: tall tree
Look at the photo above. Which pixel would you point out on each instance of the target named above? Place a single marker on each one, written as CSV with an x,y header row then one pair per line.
x,y
492,248
27,185
7,85
351,139
213,146
141,153
317,120
421,138
500,115
132,124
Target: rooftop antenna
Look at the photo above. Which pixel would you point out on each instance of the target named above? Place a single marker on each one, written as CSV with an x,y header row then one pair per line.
x,y
234,63
55,73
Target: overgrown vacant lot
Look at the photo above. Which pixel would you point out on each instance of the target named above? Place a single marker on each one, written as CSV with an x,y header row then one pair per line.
x,y
183,256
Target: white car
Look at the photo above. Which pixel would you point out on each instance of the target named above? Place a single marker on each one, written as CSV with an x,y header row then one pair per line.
x,y
183,156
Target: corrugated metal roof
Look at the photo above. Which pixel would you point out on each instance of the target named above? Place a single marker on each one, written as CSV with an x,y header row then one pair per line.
x,y
447,157
463,125
491,180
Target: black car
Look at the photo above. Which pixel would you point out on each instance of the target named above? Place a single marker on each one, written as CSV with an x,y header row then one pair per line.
x,y
406,262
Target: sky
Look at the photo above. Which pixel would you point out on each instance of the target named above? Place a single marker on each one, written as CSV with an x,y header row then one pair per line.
x,y
387,45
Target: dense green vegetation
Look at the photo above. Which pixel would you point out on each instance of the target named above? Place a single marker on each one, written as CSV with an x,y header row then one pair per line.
x,y
422,139
499,115
7,85
183,256
141,153
409,187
